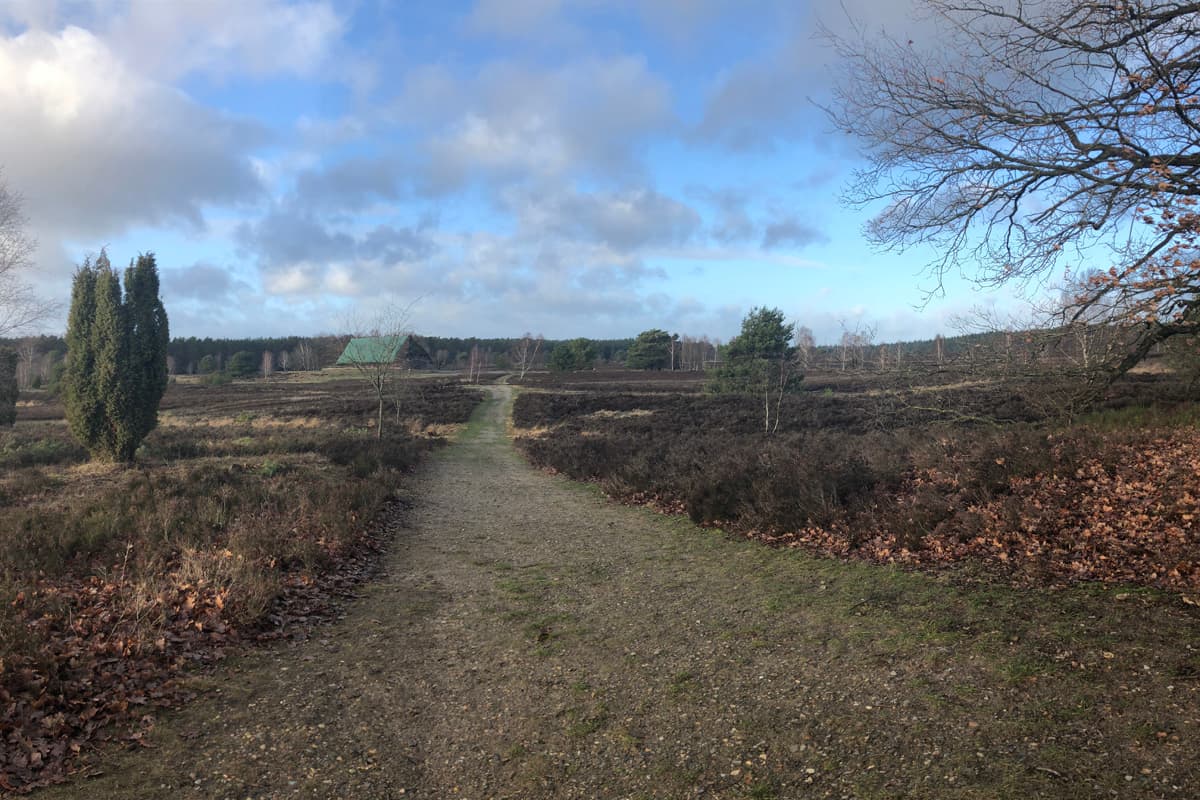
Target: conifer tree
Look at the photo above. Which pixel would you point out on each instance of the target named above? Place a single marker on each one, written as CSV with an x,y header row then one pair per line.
x,y
84,409
8,386
117,353
114,375
149,337
760,361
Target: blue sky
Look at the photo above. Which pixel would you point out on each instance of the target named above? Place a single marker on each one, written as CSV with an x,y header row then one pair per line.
x,y
568,167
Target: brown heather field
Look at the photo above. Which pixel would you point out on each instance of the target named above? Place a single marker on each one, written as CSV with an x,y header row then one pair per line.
x,y
933,469
964,598
248,506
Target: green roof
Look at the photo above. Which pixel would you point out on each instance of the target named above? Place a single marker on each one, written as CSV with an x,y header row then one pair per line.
x,y
372,350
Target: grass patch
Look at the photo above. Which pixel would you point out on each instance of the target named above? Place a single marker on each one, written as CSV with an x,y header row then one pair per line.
x,y
586,721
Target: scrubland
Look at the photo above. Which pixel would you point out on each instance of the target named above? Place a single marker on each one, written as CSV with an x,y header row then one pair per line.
x,y
248,506
946,471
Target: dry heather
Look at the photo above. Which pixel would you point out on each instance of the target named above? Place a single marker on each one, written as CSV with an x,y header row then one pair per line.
x,y
243,505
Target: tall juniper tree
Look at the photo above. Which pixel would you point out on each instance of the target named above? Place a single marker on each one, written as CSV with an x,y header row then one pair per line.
x,y
84,407
8,386
114,376
149,337
116,352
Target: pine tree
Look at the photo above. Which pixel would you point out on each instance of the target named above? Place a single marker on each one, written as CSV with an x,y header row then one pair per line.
x,y
760,361
651,350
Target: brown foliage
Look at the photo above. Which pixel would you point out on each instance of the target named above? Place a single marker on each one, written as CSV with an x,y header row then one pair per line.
x,y
236,526
1041,504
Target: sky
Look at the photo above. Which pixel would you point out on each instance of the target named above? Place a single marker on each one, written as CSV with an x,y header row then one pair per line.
x,y
566,167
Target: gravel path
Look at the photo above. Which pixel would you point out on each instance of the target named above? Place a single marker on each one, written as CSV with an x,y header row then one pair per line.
x,y
531,640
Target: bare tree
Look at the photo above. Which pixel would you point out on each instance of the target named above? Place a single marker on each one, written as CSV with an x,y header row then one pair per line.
x,y
26,363
1095,332
476,362
714,362
376,345
268,363
1025,134
305,357
525,353
19,306
694,353
855,342
805,342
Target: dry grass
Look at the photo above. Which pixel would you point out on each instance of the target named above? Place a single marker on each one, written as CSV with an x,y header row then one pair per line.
x,y
605,413
228,503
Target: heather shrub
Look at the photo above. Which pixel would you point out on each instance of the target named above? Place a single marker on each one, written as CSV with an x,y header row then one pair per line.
x,y
835,459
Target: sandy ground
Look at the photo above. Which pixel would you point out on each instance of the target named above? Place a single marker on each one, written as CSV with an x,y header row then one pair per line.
x,y
530,639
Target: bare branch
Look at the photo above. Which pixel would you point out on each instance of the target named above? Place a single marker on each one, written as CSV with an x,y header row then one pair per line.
x,y
20,308
1034,134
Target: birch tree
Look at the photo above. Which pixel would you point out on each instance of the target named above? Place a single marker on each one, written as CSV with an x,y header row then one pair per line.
x,y
525,353
387,330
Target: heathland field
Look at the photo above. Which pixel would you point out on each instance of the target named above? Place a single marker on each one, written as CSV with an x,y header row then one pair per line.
x,y
247,504
904,592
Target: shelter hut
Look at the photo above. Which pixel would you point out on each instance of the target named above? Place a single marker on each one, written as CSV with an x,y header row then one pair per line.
x,y
404,351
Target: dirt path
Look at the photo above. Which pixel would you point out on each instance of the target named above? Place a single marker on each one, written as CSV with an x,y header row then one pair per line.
x,y
532,640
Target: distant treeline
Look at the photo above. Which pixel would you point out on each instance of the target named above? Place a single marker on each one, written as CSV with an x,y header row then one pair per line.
x,y
452,353
41,358
191,356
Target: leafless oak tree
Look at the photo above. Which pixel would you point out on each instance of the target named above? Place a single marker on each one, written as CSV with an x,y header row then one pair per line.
x,y
19,306
1033,135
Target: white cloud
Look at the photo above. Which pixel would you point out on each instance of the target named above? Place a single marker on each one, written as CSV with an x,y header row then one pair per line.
x,y
511,121
506,180
219,38
791,231
299,253
224,37
625,220
201,282
95,147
